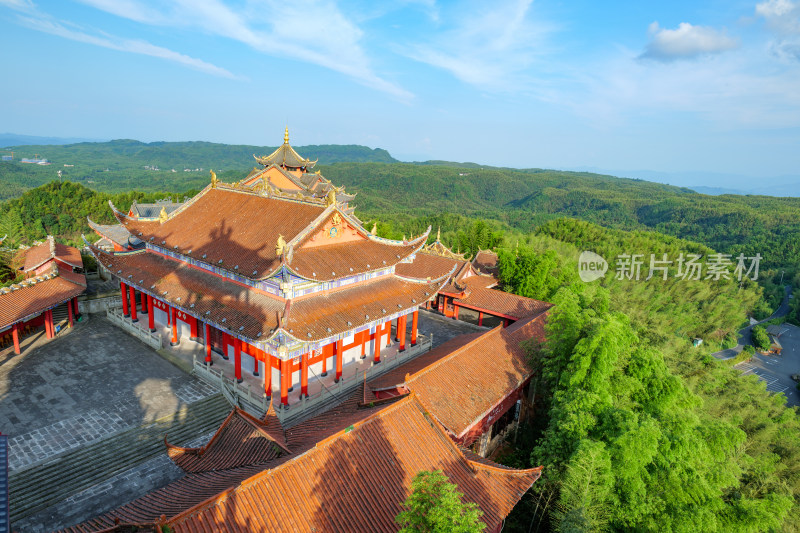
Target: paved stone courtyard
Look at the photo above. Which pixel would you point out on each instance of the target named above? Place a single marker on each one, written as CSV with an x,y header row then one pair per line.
x,y
90,383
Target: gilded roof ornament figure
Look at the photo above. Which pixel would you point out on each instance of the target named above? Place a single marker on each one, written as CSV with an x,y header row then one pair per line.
x,y
330,199
280,246
286,135
374,229
162,217
214,179
439,234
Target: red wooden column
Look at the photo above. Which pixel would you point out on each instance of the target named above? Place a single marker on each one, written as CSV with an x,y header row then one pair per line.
x,y
402,339
143,296
69,312
388,327
151,319
455,311
364,336
304,375
75,308
194,329
378,334
442,303
237,359
132,305
123,290
325,359
285,377
255,359
505,322
226,340
268,374
48,324
15,336
414,323
174,313
339,353
397,329
209,362
480,318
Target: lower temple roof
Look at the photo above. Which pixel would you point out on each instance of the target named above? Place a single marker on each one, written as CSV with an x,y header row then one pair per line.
x,y
257,316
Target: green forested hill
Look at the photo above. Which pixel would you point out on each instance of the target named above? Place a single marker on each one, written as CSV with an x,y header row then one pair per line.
x,y
406,197
118,166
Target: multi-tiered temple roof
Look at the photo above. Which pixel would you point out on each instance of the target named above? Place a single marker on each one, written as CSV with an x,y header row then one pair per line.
x,y
256,263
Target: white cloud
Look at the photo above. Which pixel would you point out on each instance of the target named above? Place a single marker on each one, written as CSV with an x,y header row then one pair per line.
x,y
39,21
491,47
685,42
313,31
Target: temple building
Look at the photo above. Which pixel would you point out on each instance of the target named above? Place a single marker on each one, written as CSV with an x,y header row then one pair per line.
x,y
286,283
277,275
53,281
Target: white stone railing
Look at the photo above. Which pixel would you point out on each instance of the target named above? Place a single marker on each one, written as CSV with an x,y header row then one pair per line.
x,y
151,339
306,407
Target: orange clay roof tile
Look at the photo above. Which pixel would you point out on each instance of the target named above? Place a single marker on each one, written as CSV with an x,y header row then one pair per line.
x,y
309,319
241,440
459,390
502,303
358,480
33,299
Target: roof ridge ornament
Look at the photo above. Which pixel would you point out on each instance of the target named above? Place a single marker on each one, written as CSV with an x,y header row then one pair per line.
x,y
214,179
162,216
280,246
286,135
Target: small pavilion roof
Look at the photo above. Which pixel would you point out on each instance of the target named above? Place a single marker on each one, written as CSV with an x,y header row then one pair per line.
x,y
115,233
154,210
34,295
286,156
256,315
485,261
241,440
465,383
358,479
38,255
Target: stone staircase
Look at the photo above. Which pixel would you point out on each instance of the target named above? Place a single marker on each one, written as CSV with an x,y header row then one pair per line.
x,y
40,486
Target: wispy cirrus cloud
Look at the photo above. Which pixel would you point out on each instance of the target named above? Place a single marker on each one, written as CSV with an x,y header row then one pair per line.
x,y
685,42
31,17
782,18
486,45
312,31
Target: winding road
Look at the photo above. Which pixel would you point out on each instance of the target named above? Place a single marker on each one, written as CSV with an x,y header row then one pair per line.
x,y
745,333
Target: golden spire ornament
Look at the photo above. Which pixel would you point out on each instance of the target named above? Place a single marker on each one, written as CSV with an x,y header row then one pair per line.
x,y
286,135
214,179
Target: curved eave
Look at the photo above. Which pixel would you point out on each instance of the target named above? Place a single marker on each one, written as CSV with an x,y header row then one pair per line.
x,y
434,284
419,242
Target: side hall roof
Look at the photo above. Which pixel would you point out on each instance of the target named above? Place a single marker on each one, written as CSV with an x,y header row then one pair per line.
x,y
358,479
34,295
467,382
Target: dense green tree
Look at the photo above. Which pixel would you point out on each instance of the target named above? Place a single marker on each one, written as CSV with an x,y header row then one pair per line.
x,y
760,338
436,506
11,228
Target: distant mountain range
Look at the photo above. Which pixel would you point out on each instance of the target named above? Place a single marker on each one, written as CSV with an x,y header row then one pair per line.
x,y
15,139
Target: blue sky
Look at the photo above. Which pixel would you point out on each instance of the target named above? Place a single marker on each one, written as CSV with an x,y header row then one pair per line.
x,y
666,86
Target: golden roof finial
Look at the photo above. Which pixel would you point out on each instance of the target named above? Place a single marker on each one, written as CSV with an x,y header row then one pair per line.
x,y
162,216
214,179
280,246
330,199
374,228
439,234
286,135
